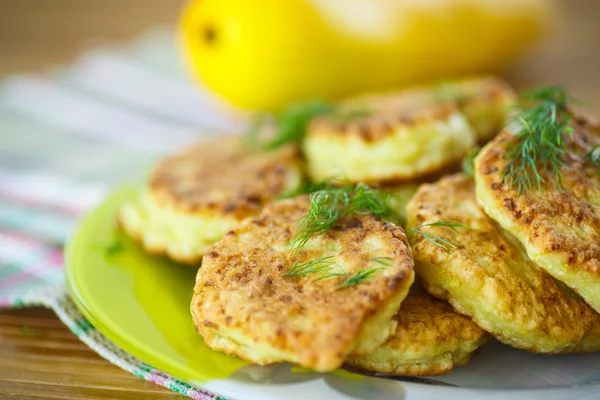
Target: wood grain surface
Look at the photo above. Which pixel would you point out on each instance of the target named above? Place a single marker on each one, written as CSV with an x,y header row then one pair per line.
x,y
39,357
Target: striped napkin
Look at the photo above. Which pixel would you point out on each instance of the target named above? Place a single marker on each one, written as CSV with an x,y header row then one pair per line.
x,y
68,136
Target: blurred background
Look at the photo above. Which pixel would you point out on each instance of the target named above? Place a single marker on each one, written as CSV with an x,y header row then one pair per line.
x,y
36,34
94,92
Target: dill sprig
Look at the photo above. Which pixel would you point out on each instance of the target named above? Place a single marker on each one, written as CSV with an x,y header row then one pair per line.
x,y
328,205
310,267
593,156
468,162
385,261
290,124
541,125
436,240
325,264
354,279
351,280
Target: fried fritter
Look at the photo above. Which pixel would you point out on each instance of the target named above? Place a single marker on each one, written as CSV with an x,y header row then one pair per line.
x,y
486,275
558,224
485,101
245,305
389,143
194,198
430,339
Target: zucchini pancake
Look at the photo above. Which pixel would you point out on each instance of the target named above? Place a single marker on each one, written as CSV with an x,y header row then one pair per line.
x,y
558,223
430,339
388,144
195,197
405,135
485,274
259,299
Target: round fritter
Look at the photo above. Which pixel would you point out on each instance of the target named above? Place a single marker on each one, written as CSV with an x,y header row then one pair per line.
x,y
487,275
388,144
194,198
245,305
484,101
430,339
559,225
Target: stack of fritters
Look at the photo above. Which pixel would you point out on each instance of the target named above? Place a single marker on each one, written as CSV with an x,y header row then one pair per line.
x,y
558,223
485,274
245,305
344,295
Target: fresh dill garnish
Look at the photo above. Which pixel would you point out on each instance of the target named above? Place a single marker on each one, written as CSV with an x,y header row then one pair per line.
x,y
468,162
325,264
381,260
356,278
593,156
310,267
291,123
436,240
541,124
351,280
328,205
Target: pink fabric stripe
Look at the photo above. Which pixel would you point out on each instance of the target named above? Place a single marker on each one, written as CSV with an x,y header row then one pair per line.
x,y
18,279
26,240
67,209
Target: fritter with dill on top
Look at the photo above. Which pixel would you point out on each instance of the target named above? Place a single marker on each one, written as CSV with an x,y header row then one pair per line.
x,y
262,299
195,197
553,209
462,256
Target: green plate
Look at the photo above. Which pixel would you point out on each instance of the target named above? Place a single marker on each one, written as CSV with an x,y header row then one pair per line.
x,y
141,303
138,301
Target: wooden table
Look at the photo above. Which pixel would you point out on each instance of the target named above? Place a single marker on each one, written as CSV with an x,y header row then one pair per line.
x,y
39,357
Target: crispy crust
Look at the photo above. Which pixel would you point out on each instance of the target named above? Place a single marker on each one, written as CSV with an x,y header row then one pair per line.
x,y
388,145
195,197
386,115
485,101
223,176
490,278
431,339
242,304
559,225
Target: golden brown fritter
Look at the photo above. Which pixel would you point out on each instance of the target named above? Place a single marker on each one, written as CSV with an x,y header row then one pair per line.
x,y
387,144
489,277
431,339
485,101
244,305
559,225
195,197
225,176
